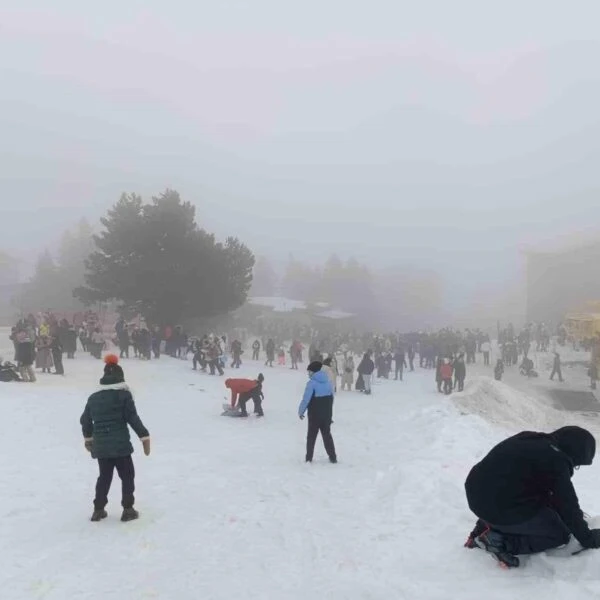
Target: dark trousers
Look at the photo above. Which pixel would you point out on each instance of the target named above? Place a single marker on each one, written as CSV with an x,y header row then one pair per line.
x,y
411,362
320,412
124,351
126,471
447,386
544,531
486,359
237,361
255,354
215,365
156,350
198,360
255,397
399,372
556,371
460,385
58,362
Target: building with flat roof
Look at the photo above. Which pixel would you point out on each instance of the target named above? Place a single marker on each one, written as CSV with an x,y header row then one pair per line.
x,y
562,280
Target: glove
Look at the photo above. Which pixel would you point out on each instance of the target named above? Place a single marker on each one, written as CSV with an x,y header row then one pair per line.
x,y
301,417
88,444
146,444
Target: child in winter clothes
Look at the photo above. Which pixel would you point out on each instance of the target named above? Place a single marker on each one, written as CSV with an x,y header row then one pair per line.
x,y
281,357
446,375
104,423
499,370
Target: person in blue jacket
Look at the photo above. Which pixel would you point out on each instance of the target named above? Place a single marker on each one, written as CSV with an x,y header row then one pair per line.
x,y
318,401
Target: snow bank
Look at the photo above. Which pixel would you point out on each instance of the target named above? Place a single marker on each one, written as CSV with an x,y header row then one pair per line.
x,y
513,409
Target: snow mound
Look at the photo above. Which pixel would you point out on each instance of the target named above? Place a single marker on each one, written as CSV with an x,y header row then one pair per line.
x,y
511,409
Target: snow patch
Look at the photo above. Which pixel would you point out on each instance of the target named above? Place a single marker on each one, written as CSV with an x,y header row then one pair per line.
x,y
512,409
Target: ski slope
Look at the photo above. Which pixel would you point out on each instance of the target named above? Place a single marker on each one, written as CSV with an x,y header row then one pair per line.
x,y
230,510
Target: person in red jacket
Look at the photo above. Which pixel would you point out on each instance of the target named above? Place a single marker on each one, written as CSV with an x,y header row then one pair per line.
x,y
446,371
243,390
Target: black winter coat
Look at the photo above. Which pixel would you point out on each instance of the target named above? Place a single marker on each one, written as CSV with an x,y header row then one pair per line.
x,y
460,370
366,367
531,471
25,354
105,420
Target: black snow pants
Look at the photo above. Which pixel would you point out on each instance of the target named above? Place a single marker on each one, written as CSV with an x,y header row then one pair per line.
x,y
320,414
57,357
556,371
256,398
447,383
126,471
544,531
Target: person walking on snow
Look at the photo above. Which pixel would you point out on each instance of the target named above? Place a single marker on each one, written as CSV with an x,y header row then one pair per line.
x,y
365,370
318,401
104,422
256,350
556,368
524,498
236,351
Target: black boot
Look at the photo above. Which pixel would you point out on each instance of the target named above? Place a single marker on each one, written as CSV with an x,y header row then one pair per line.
x,y
98,515
494,543
129,514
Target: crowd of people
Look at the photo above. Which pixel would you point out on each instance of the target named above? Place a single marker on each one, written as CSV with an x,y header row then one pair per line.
x,y
41,343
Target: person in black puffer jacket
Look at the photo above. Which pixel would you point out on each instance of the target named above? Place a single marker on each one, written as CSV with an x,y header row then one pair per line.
x,y
523,494
105,421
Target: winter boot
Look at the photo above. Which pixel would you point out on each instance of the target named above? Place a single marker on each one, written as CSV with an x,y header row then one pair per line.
x,y
333,460
480,528
98,515
495,543
129,514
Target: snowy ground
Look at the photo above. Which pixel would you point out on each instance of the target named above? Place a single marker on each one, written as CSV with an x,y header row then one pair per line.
x,y
230,510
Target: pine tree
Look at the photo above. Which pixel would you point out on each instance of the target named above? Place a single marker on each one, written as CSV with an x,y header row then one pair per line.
x,y
158,263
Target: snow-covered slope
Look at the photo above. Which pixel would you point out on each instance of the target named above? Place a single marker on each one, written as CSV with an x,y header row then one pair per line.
x,y
230,510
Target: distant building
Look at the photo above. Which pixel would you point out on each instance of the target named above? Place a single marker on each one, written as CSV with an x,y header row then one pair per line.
x,y
562,281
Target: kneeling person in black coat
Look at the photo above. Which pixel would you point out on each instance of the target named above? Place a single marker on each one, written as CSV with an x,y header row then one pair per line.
x,y
105,423
523,494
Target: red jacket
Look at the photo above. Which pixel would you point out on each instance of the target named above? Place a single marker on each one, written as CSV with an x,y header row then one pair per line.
x,y
240,386
446,371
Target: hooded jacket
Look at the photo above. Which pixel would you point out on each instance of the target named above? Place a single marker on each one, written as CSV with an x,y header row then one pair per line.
x,y
531,471
318,386
106,418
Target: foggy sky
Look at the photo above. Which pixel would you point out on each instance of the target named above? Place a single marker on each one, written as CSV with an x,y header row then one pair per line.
x,y
443,134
